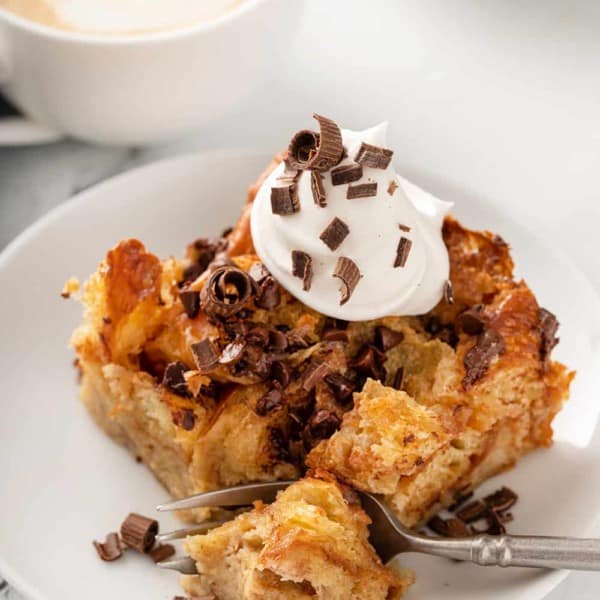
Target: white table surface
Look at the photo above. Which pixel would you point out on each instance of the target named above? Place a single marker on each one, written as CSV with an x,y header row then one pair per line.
x,y
489,100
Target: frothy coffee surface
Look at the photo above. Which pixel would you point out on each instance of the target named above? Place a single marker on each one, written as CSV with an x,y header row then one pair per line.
x,y
119,16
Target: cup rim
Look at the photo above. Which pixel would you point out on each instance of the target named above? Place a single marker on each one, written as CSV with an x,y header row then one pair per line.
x,y
135,39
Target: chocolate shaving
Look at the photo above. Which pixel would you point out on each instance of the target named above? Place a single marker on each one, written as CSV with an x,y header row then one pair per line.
x,y
232,353
284,200
309,150
373,156
334,335
162,552
472,512
361,190
493,524
191,302
369,361
548,326
280,373
386,338
205,355
478,359
392,187
174,380
226,292
269,403
186,419
298,338
402,252
318,189
346,174
349,274
258,272
277,340
278,445
313,375
501,500
139,532
341,387
398,378
472,321
203,251
324,424
259,335
448,292
268,295
111,549
335,233
403,227
302,268
451,528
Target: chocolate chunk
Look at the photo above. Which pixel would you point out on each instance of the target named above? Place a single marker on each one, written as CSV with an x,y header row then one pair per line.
x,y
268,295
402,252
398,378
226,292
174,380
501,500
232,353
309,150
548,327
452,528
280,373
349,274
302,268
111,549
478,359
318,189
403,227
341,387
369,362
472,321
205,355
269,403
448,292
258,335
324,424
335,233
373,156
284,200
139,532
346,174
392,187
162,552
386,338
361,190
313,375
258,272
472,512
191,302
334,335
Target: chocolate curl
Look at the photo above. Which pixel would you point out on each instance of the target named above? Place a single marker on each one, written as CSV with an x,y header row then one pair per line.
x,y
226,292
349,274
309,150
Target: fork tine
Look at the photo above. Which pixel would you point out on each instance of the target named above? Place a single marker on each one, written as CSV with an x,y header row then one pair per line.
x,y
185,565
234,496
193,530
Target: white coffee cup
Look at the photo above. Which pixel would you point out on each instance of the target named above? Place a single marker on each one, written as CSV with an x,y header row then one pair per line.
x,y
142,89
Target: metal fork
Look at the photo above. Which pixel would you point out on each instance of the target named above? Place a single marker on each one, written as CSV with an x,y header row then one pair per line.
x,y
390,538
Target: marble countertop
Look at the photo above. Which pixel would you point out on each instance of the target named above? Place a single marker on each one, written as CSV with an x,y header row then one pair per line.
x,y
487,101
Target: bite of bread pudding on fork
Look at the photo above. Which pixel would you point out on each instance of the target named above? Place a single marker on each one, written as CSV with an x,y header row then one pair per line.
x,y
347,325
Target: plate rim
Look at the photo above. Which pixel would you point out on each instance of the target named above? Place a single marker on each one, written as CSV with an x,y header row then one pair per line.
x,y
542,585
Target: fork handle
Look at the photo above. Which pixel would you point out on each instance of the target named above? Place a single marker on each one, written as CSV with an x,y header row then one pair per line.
x,y
518,551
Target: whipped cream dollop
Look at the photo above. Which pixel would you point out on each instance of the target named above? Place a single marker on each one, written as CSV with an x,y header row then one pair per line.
x,y
393,237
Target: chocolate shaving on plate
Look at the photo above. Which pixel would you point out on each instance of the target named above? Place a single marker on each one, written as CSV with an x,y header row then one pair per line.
x,y
501,500
335,233
392,187
226,292
284,200
386,338
548,327
174,380
191,302
162,552
448,292
111,548
302,268
361,190
374,156
402,252
403,227
139,532
341,387
269,403
398,378
451,528
346,174
478,359
309,150
349,274
205,355
318,189
472,320
472,512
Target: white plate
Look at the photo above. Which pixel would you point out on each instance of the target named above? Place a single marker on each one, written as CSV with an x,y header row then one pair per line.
x,y
18,131
63,483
